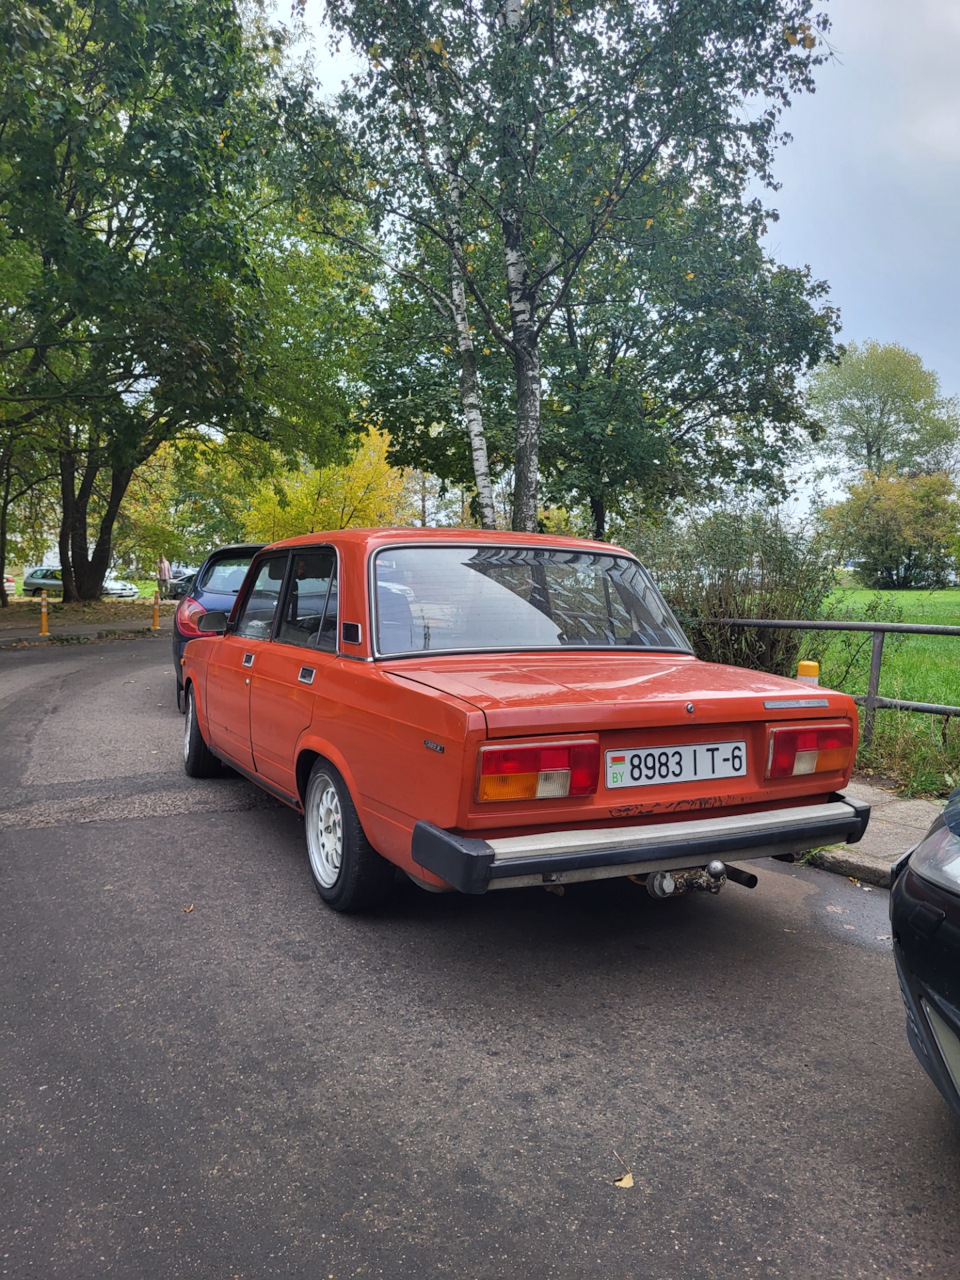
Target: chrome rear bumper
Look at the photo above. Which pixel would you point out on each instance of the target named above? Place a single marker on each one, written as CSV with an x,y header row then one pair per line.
x,y
474,866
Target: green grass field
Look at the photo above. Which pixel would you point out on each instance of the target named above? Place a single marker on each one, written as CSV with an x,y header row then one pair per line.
x,y
917,668
920,752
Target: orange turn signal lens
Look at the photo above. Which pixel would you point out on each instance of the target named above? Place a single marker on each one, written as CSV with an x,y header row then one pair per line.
x,y
546,772
794,752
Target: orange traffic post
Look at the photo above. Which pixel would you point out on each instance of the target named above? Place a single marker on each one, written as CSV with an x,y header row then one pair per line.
x,y
156,611
44,629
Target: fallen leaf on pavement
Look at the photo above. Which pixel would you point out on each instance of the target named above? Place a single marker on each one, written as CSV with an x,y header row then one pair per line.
x,y
625,1181
188,909
840,911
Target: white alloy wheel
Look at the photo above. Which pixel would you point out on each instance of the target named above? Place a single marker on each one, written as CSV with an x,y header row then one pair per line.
x,y
324,823
198,760
188,726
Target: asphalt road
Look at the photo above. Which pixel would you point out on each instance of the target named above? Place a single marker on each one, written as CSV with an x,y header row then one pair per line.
x,y
205,1073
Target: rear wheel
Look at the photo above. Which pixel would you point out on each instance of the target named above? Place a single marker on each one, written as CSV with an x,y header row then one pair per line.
x,y
347,871
198,760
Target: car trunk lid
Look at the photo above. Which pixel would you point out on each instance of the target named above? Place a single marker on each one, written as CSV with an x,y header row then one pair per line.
x,y
544,693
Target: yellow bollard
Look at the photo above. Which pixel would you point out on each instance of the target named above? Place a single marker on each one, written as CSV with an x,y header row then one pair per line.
x,y
44,629
156,611
808,672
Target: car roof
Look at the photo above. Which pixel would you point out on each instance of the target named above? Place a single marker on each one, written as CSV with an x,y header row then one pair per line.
x,y
391,536
235,549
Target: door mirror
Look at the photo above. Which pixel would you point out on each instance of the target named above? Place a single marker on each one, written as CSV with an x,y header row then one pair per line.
x,y
215,620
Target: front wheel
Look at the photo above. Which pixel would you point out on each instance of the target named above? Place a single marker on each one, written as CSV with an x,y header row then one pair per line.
x,y
198,760
347,871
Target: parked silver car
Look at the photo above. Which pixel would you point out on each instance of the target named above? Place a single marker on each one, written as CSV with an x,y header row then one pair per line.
x,y
116,588
42,579
50,580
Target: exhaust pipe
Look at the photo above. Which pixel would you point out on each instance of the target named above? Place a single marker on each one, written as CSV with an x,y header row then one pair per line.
x,y
746,878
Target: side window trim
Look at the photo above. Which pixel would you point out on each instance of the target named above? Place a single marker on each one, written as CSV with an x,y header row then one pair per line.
x,y
285,599
243,597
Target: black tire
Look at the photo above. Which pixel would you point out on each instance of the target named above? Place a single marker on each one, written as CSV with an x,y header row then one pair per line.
x,y
37,591
198,760
180,707
346,870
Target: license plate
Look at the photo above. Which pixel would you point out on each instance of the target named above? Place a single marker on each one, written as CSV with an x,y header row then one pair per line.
x,y
654,766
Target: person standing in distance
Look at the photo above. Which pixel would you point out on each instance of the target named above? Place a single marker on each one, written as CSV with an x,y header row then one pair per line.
x,y
164,574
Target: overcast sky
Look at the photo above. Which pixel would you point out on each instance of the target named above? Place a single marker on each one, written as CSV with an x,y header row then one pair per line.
x,y
870,194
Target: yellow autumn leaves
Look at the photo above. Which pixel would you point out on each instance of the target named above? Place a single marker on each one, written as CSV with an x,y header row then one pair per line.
x,y
364,492
802,35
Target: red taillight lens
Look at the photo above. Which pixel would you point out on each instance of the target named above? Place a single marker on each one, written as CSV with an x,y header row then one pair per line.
x,y
189,611
544,772
794,752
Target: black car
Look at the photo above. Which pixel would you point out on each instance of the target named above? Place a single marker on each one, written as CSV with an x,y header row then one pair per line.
x,y
925,914
180,584
215,587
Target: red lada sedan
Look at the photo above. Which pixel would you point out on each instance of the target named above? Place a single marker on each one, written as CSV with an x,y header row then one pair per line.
x,y
489,710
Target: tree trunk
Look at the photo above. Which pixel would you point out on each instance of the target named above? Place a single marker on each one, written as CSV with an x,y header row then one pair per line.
x,y
526,476
470,404
83,572
598,513
527,366
4,508
469,383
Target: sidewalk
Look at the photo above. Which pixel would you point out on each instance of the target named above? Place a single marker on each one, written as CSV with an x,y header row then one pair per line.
x,y
895,826
66,631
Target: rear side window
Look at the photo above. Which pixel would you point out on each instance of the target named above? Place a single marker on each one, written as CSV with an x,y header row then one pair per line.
x,y
225,576
260,606
310,609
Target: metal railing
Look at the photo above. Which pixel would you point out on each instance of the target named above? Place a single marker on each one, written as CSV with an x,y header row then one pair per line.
x,y
871,701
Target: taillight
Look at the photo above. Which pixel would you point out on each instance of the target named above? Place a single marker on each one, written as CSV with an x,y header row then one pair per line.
x,y
541,772
794,752
189,612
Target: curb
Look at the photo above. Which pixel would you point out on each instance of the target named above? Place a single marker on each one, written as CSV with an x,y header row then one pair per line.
x,y
106,633
843,860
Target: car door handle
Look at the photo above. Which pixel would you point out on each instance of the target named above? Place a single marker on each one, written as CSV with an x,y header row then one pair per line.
x,y
248,659
306,675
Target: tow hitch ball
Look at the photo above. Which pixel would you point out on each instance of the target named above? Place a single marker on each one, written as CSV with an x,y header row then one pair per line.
x,y
711,878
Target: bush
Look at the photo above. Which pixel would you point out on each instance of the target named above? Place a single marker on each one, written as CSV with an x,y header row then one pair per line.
x,y
740,562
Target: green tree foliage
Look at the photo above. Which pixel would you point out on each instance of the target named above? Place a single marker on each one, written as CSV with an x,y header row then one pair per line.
x,y
495,145
739,561
190,496
884,412
124,132
154,291
900,531
26,482
674,366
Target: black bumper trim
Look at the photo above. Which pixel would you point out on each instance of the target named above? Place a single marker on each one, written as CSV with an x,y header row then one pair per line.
x,y
469,864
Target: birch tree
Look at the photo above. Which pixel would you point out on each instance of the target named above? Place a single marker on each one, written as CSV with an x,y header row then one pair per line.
x,y
512,131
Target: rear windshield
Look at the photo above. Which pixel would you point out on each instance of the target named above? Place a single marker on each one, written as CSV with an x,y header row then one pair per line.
x,y
225,576
469,598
